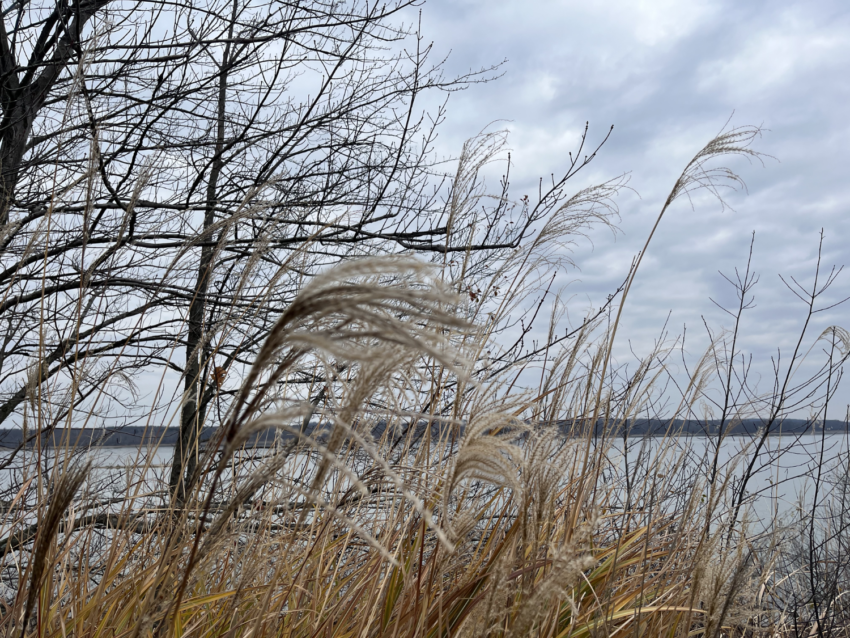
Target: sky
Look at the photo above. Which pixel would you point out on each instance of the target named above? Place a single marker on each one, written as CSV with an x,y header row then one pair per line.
x,y
669,75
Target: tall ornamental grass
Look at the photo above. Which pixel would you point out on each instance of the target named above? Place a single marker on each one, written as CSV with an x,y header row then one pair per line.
x,y
425,488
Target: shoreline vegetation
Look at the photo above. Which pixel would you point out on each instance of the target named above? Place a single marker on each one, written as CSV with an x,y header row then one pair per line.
x,y
224,218
487,523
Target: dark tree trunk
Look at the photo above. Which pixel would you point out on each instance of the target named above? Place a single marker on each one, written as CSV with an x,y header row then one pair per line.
x,y
193,412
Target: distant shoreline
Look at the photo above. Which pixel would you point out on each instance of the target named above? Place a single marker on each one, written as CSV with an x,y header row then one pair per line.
x,y
169,437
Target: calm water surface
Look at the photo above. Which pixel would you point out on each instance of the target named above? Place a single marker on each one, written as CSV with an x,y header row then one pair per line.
x,y
784,474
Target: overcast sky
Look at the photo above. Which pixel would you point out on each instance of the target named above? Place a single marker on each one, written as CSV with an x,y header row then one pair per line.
x,y
668,74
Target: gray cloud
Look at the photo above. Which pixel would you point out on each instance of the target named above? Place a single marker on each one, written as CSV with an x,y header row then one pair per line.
x,y
668,75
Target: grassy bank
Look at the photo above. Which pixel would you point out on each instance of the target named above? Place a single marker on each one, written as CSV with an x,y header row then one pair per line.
x,y
499,528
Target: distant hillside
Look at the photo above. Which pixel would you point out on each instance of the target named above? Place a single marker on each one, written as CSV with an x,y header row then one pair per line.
x,y
658,427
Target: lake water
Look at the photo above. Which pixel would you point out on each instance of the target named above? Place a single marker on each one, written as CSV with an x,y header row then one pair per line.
x,y
784,470
783,479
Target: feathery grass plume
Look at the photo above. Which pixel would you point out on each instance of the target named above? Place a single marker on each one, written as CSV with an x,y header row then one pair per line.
x,y
698,175
573,220
66,486
467,189
838,336
339,315
342,315
487,453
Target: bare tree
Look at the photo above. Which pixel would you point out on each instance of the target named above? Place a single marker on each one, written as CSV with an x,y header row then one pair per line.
x,y
172,173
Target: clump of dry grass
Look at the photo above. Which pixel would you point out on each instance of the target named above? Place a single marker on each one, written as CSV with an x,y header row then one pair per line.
x,y
437,501
480,525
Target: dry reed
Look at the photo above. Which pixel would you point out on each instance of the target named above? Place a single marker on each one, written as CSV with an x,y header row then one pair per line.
x,y
432,499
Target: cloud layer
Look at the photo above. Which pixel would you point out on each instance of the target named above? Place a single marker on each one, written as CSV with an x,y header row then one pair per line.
x,y
669,75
